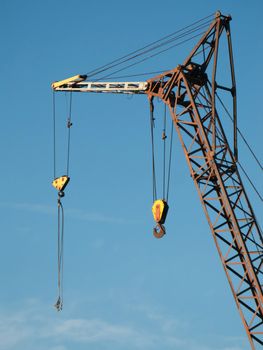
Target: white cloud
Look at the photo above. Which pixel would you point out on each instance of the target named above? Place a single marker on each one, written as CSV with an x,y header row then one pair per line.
x,y
59,347
94,217
13,331
95,330
74,213
31,207
37,327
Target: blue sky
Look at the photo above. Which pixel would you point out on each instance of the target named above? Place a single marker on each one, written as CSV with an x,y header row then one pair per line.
x,y
123,289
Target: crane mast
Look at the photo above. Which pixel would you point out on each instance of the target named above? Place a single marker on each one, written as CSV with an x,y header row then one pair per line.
x,y
190,92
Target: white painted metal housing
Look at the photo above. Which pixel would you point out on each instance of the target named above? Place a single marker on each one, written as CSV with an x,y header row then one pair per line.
x,y
108,87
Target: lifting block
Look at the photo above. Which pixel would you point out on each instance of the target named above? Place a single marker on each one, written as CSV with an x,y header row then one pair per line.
x,y
159,210
60,182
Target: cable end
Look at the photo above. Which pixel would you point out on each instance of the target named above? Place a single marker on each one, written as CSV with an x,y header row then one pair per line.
x,y
59,304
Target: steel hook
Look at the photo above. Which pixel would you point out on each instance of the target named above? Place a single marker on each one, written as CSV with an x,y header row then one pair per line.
x,y
159,231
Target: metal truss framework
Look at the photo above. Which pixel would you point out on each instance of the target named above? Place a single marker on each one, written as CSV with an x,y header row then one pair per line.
x,y
190,92
191,98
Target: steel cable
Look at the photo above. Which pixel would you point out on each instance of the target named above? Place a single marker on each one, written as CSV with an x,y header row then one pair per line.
x,y
129,56
148,57
60,257
69,124
154,186
54,134
170,160
240,133
164,149
153,48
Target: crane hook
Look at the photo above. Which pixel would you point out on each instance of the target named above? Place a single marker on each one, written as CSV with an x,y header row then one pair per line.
x,y
159,231
159,210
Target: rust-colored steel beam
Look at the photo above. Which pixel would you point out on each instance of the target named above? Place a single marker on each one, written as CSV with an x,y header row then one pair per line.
x,y
190,92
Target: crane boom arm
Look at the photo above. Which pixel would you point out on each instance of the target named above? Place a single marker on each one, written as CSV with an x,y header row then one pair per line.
x,y
78,83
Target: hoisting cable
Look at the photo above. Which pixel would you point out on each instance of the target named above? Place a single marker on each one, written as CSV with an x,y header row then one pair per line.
x,y
164,137
54,134
69,125
60,184
170,161
154,193
160,206
59,303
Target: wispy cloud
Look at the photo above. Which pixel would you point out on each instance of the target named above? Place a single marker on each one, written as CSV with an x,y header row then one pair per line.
x,y
20,327
99,331
74,213
31,207
80,214
13,331
33,327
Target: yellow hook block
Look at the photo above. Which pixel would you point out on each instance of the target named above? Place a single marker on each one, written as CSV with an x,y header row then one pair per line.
x,y
60,182
159,210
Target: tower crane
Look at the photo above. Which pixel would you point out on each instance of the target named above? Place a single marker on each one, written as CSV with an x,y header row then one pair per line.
x,y
189,91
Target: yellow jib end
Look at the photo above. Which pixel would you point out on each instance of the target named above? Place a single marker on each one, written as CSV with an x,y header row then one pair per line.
x,y
76,79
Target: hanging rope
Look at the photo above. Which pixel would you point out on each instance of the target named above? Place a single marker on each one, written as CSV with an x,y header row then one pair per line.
x,y
170,161
59,303
160,206
54,134
164,137
69,125
154,191
60,184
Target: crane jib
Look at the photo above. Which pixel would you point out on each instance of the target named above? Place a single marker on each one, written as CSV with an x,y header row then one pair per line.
x,y
78,83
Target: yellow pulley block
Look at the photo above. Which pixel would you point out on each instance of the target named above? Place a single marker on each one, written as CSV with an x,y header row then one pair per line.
x,y
159,210
60,183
